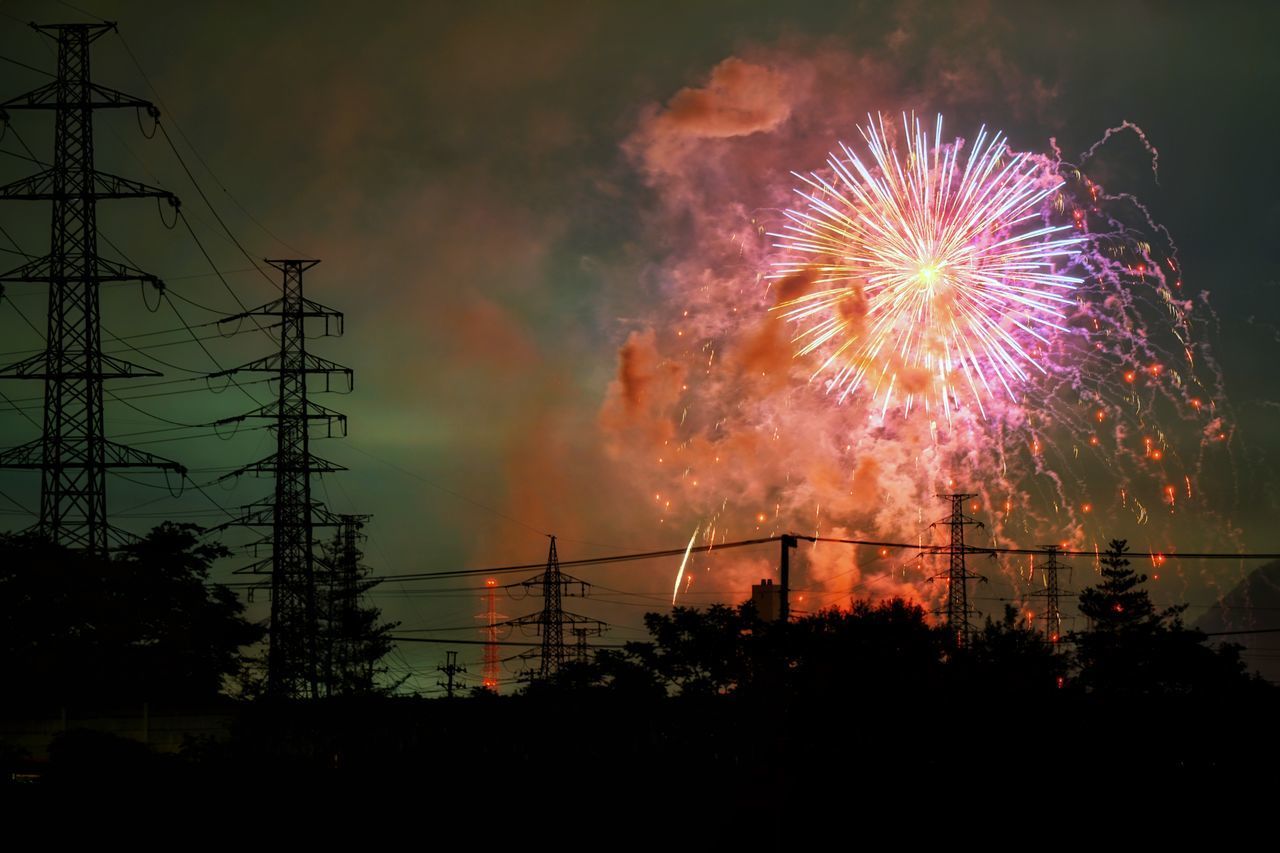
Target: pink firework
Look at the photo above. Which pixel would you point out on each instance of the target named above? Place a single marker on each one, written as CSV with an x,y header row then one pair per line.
x,y
933,275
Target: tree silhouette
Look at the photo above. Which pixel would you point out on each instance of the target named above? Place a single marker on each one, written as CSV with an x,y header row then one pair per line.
x,y
1131,648
143,624
1011,657
1119,603
353,639
698,651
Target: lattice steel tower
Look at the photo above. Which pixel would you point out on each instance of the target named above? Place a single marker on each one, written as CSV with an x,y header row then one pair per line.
x,y
551,621
1052,594
957,611
292,514
346,669
73,454
491,663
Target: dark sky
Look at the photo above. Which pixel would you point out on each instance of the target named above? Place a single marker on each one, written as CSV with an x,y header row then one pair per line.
x,y
473,177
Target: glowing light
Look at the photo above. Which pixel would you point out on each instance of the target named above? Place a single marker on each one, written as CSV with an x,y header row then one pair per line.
x,y
935,272
683,564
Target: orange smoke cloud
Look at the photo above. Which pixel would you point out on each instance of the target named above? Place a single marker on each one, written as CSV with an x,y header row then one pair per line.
x,y
741,98
766,354
710,409
647,386
793,286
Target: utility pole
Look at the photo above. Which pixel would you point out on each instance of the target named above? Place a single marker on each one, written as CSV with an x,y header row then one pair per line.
x,y
450,669
1051,594
292,514
73,453
551,620
957,611
784,576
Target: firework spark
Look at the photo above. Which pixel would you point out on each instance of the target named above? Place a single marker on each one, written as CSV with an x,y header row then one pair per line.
x,y
683,565
938,275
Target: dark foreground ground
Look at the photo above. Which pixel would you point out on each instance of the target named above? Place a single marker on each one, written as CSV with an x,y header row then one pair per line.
x,y
755,769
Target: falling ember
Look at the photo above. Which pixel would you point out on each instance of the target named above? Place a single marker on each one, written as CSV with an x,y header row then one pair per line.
x,y
683,564
937,274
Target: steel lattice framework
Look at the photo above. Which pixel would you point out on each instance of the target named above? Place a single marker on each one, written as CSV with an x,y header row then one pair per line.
x,y
1052,595
72,453
346,671
550,622
958,613
293,665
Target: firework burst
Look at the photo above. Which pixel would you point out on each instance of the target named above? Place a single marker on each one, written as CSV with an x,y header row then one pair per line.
x,y
938,276
992,321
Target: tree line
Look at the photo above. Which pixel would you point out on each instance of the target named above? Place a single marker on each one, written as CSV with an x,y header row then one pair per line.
x,y
145,623
1129,648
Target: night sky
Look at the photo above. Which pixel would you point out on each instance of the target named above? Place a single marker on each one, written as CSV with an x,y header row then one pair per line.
x,y
503,195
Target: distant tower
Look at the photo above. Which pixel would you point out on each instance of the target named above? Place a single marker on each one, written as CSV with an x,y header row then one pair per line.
x,y
957,611
73,453
1051,594
293,667
490,674
346,668
551,620
580,648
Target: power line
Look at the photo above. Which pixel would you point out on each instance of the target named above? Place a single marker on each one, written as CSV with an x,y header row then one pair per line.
x,y
585,561
910,546
441,640
200,191
446,491
178,127
20,64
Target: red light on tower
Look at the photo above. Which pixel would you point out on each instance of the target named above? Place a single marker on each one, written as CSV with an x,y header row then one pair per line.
x,y
489,675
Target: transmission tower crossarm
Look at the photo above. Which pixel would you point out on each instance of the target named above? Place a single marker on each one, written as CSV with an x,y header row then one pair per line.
x,y
37,367
41,269
50,97
309,411
273,465
48,186
310,364
32,455
29,455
